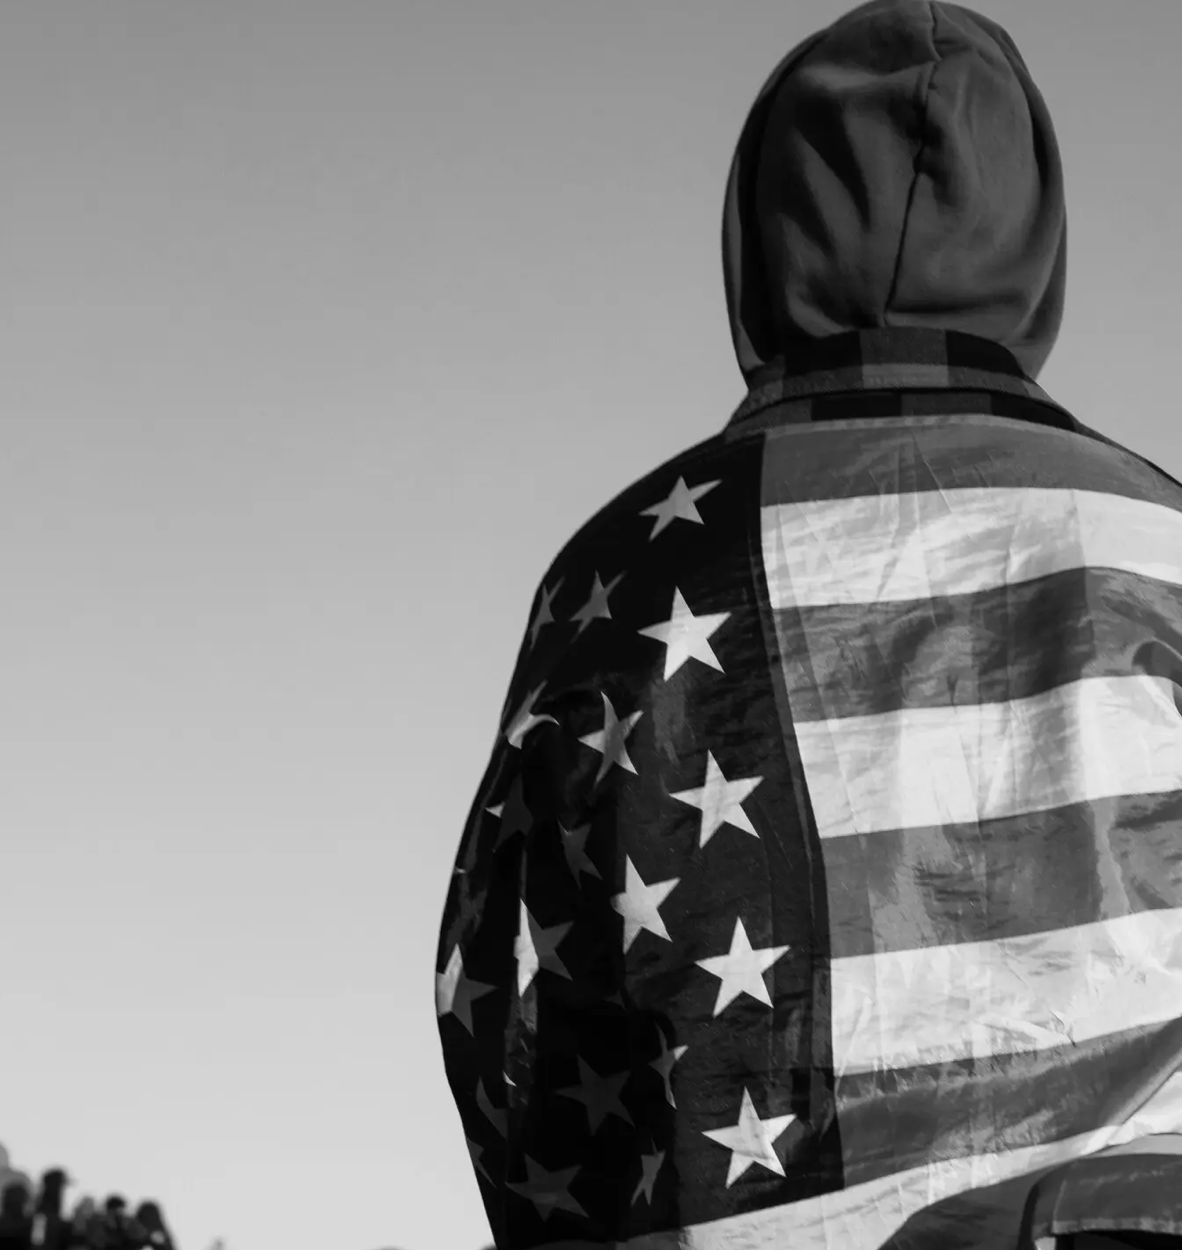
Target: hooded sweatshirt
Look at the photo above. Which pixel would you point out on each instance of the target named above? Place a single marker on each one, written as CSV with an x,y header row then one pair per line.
x,y
824,886
898,169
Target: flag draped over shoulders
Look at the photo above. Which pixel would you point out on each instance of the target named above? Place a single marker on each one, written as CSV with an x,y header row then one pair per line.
x,y
828,865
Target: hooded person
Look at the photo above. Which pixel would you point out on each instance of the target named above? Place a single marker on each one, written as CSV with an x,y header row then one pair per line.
x,y
150,1219
824,886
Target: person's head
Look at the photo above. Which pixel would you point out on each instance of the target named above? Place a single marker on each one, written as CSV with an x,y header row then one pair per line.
x,y
148,1214
115,1204
14,1201
53,1188
898,169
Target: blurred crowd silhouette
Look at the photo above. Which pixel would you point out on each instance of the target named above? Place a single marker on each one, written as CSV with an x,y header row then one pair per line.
x,y
34,1217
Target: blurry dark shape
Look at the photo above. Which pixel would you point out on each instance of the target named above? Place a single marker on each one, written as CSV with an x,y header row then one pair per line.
x,y
85,1232
155,1232
51,1230
115,1227
16,1223
10,1175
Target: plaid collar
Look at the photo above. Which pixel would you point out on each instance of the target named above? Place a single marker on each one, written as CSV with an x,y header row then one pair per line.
x,y
895,372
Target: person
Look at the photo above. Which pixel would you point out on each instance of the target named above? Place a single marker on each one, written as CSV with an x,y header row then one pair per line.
x,y
117,1231
86,1224
82,1219
15,1221
150,1220
50,1227
824,886
10,1175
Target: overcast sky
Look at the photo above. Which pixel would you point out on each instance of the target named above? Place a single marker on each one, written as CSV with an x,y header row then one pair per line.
x,y
323,328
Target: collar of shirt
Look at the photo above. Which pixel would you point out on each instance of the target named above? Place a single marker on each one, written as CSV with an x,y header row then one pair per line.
x,y
893,373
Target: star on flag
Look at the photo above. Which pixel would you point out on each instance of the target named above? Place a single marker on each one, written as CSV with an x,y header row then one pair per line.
x,y
686,636
650,1165
515,816
741,969
536,948
498,1117
719,801
611,740
599,1094
596,606
475,1150
751,1140
543,616
455,993
548,1191
664,1064
525,718
678,504
574,845
639,904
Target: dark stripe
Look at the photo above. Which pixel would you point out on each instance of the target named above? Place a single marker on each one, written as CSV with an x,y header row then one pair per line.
x,y
911,888
968,351
906,1117
933,403
901,346
1009,642
859,405
896,455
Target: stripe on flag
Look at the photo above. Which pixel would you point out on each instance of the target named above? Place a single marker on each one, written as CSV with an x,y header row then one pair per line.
x,y
905,888
942,1003
1090,739
944,1111
1007,642
921,545
898,455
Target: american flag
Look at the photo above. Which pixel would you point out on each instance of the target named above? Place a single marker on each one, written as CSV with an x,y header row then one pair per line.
x,y
826,877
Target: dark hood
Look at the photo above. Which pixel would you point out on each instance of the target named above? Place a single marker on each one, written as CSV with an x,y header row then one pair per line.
x,y
899,168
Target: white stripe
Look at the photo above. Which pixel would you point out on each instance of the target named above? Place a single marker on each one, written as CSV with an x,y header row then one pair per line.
x,y
926,544
1096,738
1031,993
864,1216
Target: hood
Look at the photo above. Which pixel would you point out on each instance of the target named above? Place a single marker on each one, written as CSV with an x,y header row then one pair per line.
x,y
898,169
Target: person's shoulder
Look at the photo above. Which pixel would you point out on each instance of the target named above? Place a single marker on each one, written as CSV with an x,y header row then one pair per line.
x,y
642,498
1150,479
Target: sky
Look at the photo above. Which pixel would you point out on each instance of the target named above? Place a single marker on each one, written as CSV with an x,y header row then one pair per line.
x,y
323,328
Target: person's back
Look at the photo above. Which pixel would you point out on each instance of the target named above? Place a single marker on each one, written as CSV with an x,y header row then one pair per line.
x,y
828,866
